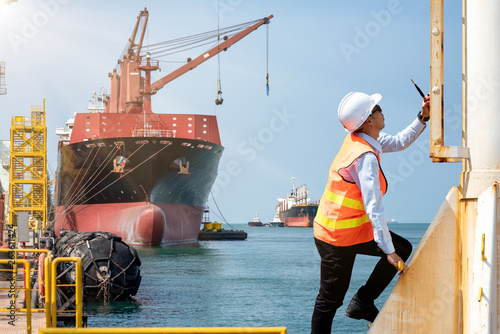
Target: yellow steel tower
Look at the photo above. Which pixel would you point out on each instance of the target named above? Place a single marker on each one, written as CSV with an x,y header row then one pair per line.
x,y
28,167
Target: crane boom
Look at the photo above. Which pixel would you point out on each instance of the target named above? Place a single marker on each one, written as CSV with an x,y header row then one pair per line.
x,y
130,91
207,55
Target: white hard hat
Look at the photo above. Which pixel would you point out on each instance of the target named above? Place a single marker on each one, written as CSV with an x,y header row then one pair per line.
x,y
355,108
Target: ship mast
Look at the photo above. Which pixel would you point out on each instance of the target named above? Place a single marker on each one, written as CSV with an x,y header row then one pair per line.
x,y
126,77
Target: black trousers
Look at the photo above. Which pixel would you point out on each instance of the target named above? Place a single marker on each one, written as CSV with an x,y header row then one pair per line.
x,y
336,269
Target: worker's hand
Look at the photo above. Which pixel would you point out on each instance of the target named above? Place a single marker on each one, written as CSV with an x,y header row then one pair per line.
x,y
426,106
394,259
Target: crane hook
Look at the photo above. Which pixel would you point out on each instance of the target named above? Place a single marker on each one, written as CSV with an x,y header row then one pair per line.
x,y
219,99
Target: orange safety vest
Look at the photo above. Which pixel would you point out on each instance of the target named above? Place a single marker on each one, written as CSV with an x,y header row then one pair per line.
x,y
341,219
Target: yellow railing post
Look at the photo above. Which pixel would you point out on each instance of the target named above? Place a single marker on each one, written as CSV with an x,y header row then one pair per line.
x,y
53,294
27,278
47,266
77,285
27,288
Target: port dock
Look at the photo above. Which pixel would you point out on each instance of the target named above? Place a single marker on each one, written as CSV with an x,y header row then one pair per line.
x,y
214,231
222,235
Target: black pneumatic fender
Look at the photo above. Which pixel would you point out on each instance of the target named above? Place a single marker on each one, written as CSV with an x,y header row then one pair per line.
x,y
110,267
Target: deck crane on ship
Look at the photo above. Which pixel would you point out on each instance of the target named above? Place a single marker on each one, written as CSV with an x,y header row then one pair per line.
x,y
128,94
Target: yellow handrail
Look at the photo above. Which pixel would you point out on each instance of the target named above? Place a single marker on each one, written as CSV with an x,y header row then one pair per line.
x,y
77,285
27,250
16,251
48,313
27,269
168,330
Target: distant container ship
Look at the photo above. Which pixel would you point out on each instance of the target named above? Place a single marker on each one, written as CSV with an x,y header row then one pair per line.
x,y
295,210
126,170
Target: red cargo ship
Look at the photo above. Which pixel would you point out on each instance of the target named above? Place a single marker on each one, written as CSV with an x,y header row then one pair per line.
x,y
295,210
126,170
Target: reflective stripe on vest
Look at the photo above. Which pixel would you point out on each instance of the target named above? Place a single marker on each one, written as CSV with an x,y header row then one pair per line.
x,y
341,219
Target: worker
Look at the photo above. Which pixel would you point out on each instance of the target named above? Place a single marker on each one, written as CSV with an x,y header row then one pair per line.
x,y
351,219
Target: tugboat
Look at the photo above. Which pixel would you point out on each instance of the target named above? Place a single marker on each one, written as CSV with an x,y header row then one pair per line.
x,y
256,221
295,210
276,222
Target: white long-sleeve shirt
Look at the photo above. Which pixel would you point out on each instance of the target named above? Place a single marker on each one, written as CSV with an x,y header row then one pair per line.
x,y
364,171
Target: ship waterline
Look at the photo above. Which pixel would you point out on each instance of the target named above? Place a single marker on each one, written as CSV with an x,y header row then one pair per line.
x,y
299,216
138,223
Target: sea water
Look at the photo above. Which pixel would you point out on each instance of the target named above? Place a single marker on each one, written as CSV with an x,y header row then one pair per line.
x,y
270,279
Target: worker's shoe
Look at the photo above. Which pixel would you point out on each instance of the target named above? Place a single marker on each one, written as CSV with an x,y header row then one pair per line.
x,y
359,309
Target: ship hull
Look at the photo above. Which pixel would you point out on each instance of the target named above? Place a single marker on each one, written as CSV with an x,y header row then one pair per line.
x,y
156,197
252,224
299,216
138,223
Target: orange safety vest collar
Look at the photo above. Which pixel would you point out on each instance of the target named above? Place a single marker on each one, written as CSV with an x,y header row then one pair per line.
x,y
341,219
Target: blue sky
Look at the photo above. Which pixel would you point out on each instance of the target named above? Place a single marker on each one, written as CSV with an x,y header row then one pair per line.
x,y
62,50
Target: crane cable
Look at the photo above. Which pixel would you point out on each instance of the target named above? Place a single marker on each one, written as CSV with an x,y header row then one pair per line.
x,y
187,43
267,58
219,99
79,195
220,212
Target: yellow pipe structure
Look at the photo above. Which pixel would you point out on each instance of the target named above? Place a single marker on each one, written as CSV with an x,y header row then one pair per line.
x,y
78,290
168,330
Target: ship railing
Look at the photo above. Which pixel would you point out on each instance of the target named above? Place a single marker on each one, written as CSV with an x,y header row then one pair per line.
x,y
170,330
44,286
20,121
152,63
153,133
